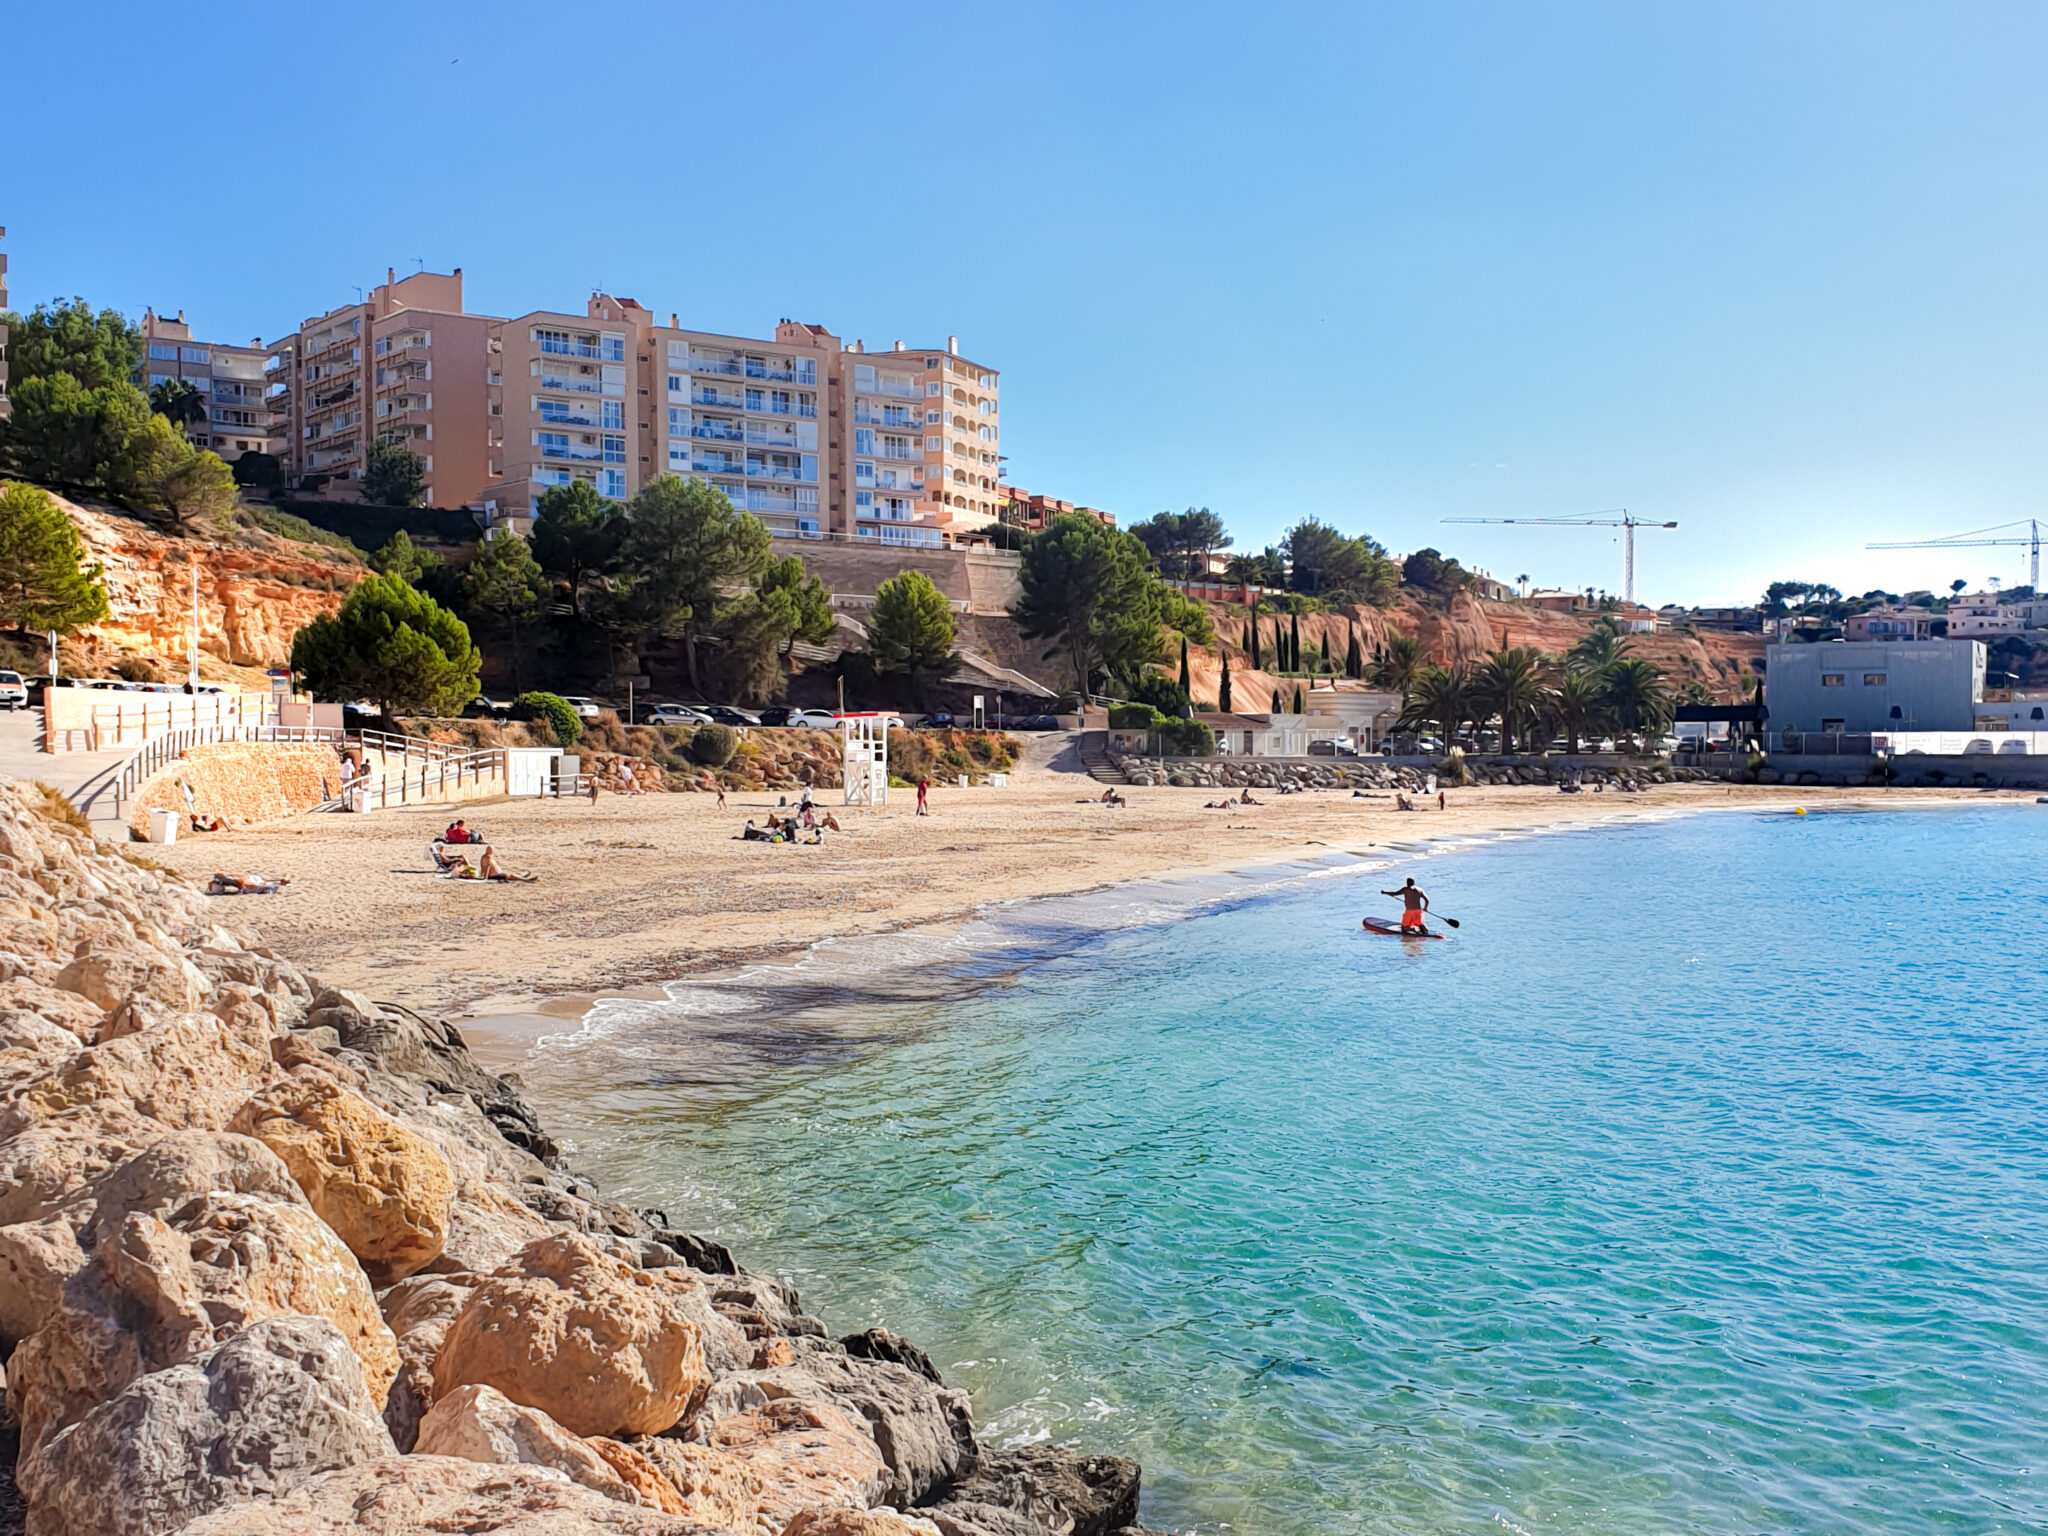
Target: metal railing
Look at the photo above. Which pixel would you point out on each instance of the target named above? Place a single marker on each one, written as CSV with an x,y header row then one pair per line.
x,y
425,780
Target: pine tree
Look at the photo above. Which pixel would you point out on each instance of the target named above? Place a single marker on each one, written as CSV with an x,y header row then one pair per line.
x,y
1185,686
1223,688
44,580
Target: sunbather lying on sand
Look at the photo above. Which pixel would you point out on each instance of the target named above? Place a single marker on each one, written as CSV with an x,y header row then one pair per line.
x,y
247,885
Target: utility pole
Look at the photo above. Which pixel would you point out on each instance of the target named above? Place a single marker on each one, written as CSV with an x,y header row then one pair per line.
x,y
192,655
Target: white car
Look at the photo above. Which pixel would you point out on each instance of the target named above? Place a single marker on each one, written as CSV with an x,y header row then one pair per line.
x,y
814,719
585,707
13,691
677,714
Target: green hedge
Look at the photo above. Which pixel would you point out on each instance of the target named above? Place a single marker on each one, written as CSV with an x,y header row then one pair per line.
x,y
559,713
1132,717
714,745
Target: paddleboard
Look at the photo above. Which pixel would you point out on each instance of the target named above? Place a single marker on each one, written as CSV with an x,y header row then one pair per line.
x,y
1393,930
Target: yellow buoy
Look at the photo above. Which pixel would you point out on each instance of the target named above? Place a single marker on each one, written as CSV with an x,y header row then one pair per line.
x,y
1798,810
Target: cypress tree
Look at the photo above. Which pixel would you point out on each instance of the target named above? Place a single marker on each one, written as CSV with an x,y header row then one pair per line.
x,y
1299,707
1252,648
1223,688
1354,660
1294,643
1185,686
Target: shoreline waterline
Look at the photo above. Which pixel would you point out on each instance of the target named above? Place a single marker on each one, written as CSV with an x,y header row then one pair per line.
x,y
506,1036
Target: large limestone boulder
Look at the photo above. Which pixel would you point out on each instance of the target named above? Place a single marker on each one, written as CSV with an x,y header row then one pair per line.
x,y
713,1486
45,1169
383,1189
109,977
277,1403
1047,1485
158,1293
566,1328
411,1495
482,1424
803,1453
924,1432
37,1260
190,1073
857,1522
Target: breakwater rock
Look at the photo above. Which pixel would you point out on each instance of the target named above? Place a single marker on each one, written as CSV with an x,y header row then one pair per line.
x,y
280,1259
1371,774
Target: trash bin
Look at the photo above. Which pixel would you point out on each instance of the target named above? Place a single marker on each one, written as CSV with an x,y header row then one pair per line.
x,y
163,826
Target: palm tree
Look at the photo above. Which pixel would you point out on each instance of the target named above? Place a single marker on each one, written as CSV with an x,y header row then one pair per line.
x,y
1575,704
1636,693
1598,649
1396,662
1244,570
1438,696
1509,683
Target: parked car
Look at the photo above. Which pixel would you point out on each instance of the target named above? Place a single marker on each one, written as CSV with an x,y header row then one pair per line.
x,y
814,719
13,691
481,708
889,718
675,714
776,714
586,707
938,722
726,714
1027,722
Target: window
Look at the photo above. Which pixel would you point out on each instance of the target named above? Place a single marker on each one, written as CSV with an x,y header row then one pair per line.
x,y
163,353
807,370
1831,679
1873,679
757,400
933,418
612,413
1832,725
931,362
863,440
613,348
611,484
2036,715
678,423
552,442
935,389
934,444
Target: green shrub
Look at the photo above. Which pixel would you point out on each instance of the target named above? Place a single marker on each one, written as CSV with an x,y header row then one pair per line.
x,y
714,745
559,713
1184,738
1132,717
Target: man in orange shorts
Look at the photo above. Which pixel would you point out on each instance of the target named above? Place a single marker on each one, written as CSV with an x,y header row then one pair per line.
x,y
1413,904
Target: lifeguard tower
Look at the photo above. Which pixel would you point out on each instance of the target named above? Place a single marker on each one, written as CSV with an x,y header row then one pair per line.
x,y
864,758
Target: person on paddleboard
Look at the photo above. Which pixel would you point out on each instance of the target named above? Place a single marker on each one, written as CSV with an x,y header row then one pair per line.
x,y
1413,904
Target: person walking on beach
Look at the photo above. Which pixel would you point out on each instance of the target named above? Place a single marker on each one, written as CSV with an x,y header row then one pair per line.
x,y
1413,904
924,790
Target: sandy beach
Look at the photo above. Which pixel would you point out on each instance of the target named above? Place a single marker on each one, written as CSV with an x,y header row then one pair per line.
x,y
633,891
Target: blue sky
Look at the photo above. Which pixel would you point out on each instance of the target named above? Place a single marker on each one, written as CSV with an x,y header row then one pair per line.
x,y
1773,270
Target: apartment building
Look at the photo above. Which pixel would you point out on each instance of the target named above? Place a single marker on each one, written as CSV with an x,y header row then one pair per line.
x,y
884,490
963,439
5,406
407,364
567,402
1032,512
230,380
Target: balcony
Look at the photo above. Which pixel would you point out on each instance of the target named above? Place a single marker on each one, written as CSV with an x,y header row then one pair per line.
x,y
576,346
718,432
894,417
572,383
713,462
565,417
322,399
758,470
571,453
771,437
759,499
774,369
724,367
708,394
889,388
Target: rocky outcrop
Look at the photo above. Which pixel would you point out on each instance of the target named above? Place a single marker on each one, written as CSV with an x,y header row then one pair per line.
x,y
277,1258
280,1401
254,593
567,1328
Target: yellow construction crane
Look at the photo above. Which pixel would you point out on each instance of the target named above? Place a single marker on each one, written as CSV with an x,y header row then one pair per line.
x,y
1620,518
1977,540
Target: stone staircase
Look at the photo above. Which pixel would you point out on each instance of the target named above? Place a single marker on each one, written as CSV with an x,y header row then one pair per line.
x,y
1093,751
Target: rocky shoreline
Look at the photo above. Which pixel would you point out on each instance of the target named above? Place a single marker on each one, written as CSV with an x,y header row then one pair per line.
x,y
276,1258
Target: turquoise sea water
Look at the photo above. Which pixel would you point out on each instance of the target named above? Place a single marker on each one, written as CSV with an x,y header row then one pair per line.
x,y
1700,1185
